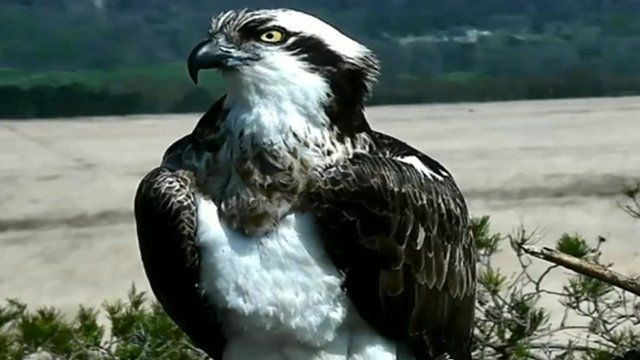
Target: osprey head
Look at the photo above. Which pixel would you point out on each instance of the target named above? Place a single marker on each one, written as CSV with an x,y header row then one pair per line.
x,y
286,52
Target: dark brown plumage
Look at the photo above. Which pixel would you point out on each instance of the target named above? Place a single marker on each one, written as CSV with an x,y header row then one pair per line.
x,y
165,213
404,241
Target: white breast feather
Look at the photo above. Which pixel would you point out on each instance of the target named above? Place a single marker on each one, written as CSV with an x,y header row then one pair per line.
x,y
279,296
281,282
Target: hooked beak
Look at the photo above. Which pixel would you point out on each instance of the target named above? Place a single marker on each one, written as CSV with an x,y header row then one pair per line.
x,y
209,54
206,55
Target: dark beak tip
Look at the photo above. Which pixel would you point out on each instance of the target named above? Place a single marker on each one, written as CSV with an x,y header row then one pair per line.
x,y
193,74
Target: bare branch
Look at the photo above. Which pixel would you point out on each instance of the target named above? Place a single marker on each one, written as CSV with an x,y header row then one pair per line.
x,y
586,268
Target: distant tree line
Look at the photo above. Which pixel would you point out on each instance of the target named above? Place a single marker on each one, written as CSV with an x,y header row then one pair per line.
x,y
432,51
45,101
64,101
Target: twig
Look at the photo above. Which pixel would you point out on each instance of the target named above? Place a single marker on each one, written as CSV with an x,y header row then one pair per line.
x,y
585,267
559,346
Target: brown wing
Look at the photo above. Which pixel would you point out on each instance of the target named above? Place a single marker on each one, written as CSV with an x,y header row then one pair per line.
x,y
165,210
404,241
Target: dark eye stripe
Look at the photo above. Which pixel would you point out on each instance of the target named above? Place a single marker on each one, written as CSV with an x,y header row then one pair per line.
x,y
315,51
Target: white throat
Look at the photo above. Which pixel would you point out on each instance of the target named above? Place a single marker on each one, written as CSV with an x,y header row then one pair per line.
x,y
278,104
283,89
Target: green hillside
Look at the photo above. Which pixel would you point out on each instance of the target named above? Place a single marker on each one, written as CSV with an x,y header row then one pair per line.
x,y
133,51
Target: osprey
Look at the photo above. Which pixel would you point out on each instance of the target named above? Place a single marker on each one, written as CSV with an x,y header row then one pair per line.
x,y
284,227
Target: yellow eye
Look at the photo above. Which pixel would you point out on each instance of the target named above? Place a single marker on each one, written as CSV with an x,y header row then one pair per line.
x,y
272,36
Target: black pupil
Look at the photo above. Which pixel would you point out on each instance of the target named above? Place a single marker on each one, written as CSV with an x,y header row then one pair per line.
x,y
270,35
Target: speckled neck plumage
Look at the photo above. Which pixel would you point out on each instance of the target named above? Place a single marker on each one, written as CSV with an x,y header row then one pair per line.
x,y
264,154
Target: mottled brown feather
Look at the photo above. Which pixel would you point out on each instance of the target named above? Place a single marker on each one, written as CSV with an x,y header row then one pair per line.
x,y
165,210
404,241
